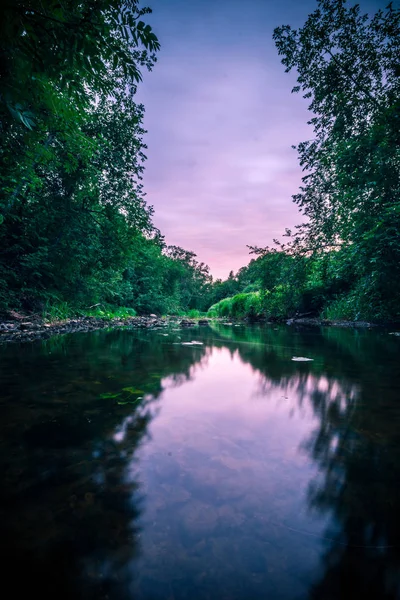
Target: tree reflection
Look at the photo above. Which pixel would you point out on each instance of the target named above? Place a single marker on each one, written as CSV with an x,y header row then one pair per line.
x,y
68,510
353,389
357,449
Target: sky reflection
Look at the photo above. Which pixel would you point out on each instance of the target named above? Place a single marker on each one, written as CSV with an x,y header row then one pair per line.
x,y
226,463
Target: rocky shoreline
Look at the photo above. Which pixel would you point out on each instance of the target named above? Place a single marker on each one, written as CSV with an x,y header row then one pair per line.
x,y
24,329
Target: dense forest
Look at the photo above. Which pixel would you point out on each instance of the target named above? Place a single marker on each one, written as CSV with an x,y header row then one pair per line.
x,y
76,231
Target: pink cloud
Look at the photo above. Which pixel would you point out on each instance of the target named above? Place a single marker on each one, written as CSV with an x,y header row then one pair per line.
x,y
221,120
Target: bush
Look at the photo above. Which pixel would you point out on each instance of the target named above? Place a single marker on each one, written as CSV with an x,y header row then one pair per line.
x,y
365,302
341,309
59,311
254,306
281,302
238,307
194,314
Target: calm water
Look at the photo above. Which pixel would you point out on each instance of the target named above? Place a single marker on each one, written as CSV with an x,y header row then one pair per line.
x,y
134,466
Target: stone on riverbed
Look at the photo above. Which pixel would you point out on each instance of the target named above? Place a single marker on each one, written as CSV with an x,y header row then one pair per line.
x,y
187,323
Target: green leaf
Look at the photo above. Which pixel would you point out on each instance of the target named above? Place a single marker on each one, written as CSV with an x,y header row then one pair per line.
x,y
110,395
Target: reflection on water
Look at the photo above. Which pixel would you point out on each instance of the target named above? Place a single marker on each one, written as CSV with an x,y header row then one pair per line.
x,y
137,466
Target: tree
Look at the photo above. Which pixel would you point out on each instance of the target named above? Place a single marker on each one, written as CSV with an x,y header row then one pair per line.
x,y
48,47
76,226
71,149
347,65
56,60
75,229
192,277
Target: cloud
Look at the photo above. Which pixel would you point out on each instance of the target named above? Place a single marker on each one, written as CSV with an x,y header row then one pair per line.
x,y
220,170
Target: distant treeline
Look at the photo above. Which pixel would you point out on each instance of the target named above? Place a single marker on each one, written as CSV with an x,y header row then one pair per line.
x,y
278,285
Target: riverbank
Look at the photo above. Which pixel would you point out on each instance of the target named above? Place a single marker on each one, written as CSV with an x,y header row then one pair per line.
x,y
28,328
21,328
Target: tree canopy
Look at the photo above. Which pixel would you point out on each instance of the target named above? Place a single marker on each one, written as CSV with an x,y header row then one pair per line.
x,y
347,65
76,227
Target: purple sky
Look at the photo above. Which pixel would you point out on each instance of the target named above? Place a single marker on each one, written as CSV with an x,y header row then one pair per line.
x,y
221,122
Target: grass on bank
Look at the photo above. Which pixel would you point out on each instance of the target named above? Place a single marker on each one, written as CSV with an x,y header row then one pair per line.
x,y
243,305
61,311
284,302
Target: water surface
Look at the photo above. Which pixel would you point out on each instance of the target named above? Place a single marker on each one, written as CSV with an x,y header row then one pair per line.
x,y
135,465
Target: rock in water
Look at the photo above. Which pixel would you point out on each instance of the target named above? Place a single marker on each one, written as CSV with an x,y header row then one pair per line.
x,y
187,323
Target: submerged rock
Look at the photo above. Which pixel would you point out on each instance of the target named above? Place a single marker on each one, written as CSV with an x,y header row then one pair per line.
x,y
187,323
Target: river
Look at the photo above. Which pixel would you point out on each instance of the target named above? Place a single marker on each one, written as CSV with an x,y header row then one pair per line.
x,y
140,465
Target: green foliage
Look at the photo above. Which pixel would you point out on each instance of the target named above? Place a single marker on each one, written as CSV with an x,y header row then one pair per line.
x,y
344,261
162,281
54,51
224,289
191,278
297,285
221,308
341,309
194,313
71,150
75,230
254,305
347,66
240,306
110,312
71,234
58,311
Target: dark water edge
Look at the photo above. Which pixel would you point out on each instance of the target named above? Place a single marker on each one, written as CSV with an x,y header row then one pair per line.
x,y
24,329
137,467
